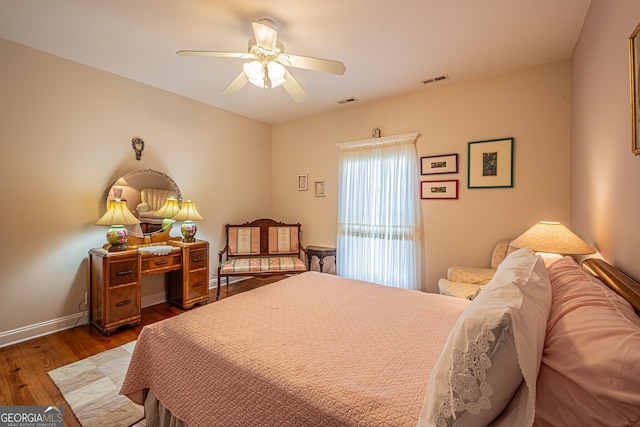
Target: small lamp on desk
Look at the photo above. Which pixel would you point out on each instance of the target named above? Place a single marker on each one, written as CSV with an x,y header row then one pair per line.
x,y
551,240
188,213
117,216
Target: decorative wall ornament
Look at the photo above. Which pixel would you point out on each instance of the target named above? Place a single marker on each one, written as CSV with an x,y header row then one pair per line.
x,y
138,146
375,133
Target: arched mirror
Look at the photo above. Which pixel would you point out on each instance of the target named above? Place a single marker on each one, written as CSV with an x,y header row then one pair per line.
x,y
145,191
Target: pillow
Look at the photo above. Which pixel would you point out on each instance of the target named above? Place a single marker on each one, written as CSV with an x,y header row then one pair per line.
x,y
590,370
487,369
244,240
283,240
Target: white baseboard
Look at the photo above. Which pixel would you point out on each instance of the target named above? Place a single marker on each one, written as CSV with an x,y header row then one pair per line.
x,y
25,333
28,332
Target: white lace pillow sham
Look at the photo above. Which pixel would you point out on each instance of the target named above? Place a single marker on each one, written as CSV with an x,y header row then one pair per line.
x,y
496,343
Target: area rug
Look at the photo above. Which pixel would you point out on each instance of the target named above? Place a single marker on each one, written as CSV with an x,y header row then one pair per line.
x,y
91,388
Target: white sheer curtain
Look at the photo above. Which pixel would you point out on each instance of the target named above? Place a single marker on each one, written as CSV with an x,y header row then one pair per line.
x,y
379,211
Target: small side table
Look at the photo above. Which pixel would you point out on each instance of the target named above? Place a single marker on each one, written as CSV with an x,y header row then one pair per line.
x,y
320,252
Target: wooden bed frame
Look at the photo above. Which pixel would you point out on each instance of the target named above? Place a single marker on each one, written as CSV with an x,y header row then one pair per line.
x,y
622,284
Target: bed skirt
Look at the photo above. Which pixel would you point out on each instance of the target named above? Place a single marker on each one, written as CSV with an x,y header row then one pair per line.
x,y
156,415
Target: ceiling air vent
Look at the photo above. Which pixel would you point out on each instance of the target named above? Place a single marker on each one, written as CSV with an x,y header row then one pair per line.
x,y
348,100
436,79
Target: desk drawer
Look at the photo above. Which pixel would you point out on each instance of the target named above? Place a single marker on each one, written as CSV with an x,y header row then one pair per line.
x,y
125,271
124,303
198,259
198,284
168,262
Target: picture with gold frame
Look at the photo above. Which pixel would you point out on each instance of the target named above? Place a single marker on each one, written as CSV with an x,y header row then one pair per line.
x,y
634,73
319,188
303,182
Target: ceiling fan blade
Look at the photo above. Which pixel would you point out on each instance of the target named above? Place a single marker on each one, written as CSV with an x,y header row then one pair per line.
x,y
315,64
216,54
237,84
294,89
265,35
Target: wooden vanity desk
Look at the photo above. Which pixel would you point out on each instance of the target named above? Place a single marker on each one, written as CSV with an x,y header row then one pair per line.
x,y
115,279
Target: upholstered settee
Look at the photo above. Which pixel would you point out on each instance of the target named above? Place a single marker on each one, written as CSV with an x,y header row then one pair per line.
x,y
466,282
261,248
152,199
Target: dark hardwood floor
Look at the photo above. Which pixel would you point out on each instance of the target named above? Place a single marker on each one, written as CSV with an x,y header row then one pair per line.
x,y
24,366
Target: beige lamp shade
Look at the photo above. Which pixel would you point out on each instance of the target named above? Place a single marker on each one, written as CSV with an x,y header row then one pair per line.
x,y
188,212
552,237
117,213
169,209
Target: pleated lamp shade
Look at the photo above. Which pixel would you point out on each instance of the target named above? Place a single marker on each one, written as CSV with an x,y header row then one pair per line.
x,y
169,209
554,238
188,213
117,213
117,216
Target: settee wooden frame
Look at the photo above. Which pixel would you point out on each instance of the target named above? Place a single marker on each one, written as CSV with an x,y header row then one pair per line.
x,y
264,224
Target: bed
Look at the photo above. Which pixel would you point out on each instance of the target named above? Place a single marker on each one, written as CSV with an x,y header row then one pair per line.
x,y
537,346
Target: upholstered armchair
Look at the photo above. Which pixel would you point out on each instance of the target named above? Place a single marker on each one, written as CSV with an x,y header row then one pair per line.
x,y
466,282
152,199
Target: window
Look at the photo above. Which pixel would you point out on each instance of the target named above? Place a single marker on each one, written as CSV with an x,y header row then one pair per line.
x,y
378,211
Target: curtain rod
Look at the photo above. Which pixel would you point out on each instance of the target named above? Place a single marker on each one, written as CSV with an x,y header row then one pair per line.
x,y
410,137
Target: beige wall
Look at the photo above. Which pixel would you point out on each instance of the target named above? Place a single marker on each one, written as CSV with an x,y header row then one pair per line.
x,y
605,175
66,133
531,105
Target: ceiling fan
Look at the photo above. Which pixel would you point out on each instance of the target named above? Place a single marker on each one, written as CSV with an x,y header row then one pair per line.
x,y
267,68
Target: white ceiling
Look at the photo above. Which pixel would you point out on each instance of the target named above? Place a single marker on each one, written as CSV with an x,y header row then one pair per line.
x,y
387,46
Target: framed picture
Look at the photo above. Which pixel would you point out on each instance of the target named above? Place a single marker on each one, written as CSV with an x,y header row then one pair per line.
x,y
319,188
303,182
439,189
635,101
491,163
432,165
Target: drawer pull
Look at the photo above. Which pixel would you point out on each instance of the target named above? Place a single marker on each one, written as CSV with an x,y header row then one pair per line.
x,y
125,302
198,259
124,273
200,283
161,262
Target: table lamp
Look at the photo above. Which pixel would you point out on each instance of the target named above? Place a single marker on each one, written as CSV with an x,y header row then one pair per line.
x,y
168,210
117,216
552,239
188,213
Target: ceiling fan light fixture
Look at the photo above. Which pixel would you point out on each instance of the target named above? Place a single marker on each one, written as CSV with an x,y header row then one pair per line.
x,y
276,73
255,73
268,66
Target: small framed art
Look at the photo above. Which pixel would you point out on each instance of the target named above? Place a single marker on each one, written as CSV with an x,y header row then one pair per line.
x,y
634,71
303,182
432,165
490,163
439,189
319,188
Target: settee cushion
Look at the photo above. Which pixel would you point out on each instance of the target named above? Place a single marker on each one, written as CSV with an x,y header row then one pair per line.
x,y
263,264
244,240
283,240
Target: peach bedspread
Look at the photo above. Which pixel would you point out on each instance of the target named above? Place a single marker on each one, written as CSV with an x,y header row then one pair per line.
x,y
313,350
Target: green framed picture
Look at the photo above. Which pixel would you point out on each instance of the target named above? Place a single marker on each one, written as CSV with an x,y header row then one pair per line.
x,y
490,163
